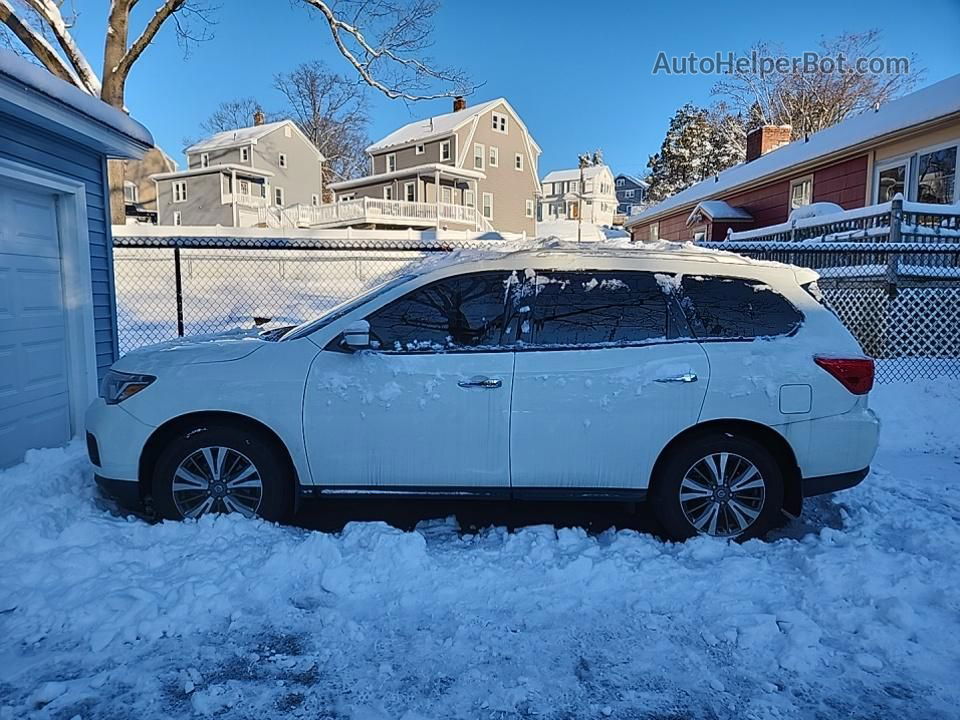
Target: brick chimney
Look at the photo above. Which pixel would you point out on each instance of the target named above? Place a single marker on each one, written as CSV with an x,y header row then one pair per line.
x,y
258,117
765,138
459,103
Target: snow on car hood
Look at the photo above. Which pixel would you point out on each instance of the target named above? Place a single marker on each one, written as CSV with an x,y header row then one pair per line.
x,y
194,350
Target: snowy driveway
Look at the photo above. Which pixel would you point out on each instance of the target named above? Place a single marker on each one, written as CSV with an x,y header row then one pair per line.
x,y
854,614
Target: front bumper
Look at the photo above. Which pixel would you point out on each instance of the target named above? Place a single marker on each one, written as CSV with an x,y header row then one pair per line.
x,y
125,493
119,439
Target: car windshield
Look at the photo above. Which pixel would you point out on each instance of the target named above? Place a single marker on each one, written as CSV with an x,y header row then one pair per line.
x,y
343,308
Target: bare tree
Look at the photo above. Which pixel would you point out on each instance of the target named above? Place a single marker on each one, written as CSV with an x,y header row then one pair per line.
x,y
332,111
812,101
233,114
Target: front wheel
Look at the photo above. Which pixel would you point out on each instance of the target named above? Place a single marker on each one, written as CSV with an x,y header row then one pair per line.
x,y
721,485
221,469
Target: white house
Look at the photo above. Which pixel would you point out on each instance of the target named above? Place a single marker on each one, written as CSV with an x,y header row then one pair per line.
x,y
564,199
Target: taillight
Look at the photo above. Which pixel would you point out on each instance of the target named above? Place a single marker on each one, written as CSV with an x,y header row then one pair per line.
x,y
855,374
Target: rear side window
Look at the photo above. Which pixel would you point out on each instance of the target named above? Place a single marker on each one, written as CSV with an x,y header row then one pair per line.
x,y
596,308
456,313
736,309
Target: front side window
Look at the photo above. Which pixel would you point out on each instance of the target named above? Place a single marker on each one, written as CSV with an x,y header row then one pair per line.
x,y
937,176
734,309
282,160
419,149
593,308
179,191
454,314
890,181
278,196
446,195
388,192
468,198
244,154
499,122
204,160
391,162
518,161
494,156
488,206
131,193
445,150
409,192
478,156
530,207
654,232
801,192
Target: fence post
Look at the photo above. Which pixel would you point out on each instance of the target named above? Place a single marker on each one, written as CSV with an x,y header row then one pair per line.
x,y
179,283
893,259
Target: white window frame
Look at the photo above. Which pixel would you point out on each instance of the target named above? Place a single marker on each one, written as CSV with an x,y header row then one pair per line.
x,y
279,196
178,189
479,153
388,192
446,194
315,199
410,191
245,153
501,123
282,160
484,205
134,196
494,156
469,199
518,162
177,217
287,131
654,232
798,182
905,161
419,149
204,160
619,182
530,208
346,197
445,151
628,193
914,169
391,160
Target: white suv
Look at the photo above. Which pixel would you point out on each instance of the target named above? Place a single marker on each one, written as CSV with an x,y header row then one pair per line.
x,y
721,390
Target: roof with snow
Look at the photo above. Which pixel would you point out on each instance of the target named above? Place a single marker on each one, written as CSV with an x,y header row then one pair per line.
x,y
634,179
37,90
574,173
245,136
720,210
925,105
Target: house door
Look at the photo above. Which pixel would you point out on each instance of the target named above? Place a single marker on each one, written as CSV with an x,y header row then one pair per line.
x,y
34,400
573,211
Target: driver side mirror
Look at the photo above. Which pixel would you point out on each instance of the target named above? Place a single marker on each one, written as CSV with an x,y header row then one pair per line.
x,y
356,335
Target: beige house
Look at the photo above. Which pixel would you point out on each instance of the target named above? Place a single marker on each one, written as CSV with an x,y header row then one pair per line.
x,y
139,189
472,169
564,198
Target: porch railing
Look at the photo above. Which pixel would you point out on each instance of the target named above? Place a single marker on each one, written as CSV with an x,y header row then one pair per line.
x,y
376,210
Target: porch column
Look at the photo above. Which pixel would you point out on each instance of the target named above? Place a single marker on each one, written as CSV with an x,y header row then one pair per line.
x,y
233,196
436,180
476,204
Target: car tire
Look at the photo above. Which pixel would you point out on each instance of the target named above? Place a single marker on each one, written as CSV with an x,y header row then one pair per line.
x,y
206,468
688,501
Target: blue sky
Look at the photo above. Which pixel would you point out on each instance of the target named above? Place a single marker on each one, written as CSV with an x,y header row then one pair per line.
x,y
579,74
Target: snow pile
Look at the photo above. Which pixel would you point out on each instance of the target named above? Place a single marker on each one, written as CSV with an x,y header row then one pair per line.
x,y
589,232
851,613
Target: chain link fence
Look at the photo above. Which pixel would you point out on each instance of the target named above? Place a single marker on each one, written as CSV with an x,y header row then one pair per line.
x,y
901,300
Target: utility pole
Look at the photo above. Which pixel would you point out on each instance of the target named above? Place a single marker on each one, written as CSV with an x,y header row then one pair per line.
x,y
584,161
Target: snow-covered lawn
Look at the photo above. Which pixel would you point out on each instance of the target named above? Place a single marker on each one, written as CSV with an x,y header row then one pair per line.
x,y
567,230
854,613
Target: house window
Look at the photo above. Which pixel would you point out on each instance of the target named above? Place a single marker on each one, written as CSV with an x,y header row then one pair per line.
x,y
628,193
801,192
468,198
488,205
179,191
244,154
499,122
345,197
315,199
530,208
419,149
278,196
244,187
446,195
282,160
391,162
409,191
619,182
204,160
287,131
892,180
937,176
445,150
177,218
131,193
388,192
478,151
494,156
654,232
518,161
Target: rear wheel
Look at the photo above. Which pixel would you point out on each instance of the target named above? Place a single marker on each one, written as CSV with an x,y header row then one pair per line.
x,y
222,469
721,485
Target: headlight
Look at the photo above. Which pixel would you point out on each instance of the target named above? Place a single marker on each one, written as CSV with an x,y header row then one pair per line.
x,y
118,386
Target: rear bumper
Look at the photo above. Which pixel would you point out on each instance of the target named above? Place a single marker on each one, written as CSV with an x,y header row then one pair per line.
x,y
832,483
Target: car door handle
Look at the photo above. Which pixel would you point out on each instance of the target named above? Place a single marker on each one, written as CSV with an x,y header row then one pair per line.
x,y
481,382
685,378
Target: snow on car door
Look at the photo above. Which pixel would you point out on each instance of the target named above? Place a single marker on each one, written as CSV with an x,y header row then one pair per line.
x,y
604,384
430,406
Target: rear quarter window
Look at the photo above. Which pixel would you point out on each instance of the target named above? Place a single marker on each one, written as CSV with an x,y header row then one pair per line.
x,y
735,308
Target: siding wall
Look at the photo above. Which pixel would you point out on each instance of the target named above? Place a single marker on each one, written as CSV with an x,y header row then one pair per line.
x,y
844,183
28,145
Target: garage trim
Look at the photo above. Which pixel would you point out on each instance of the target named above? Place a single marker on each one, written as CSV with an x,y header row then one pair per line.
x,y
74,242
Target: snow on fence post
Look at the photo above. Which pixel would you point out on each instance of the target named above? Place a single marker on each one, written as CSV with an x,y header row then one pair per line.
x,y
178,278
895,238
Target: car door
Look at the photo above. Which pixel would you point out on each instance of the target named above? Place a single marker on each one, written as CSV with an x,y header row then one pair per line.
x,y
429,404
606,381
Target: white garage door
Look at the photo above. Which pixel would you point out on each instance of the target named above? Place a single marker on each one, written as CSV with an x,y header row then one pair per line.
x,y
34,402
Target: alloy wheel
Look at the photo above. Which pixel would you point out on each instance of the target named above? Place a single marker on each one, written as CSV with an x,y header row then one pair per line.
x,y
722,494
217,480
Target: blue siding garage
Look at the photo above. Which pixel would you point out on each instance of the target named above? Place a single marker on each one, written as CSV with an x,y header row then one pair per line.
x,y
57,311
